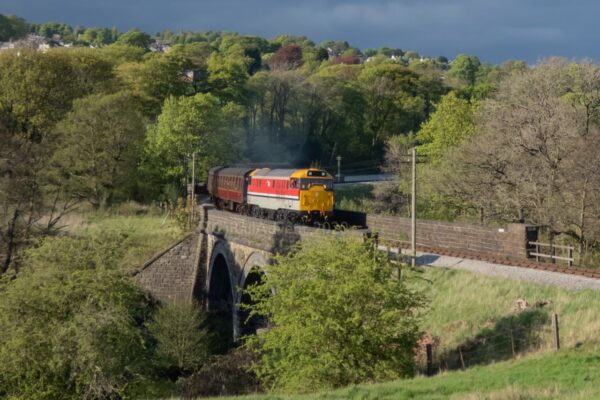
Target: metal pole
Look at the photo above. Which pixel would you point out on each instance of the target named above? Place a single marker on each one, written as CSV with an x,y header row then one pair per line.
x,y
414,209
193,184
339,163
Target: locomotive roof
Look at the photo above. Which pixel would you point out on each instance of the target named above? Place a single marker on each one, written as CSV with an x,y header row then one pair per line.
x,y
274,173
285,173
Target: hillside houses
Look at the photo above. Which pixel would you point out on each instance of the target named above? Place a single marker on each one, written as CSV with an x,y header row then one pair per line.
x,y
35,42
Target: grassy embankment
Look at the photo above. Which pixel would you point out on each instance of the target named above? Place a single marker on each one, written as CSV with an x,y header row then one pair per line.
x,y
569,375
143,231
465,305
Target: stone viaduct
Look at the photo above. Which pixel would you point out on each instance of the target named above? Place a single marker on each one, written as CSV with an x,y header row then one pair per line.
x,y
227,252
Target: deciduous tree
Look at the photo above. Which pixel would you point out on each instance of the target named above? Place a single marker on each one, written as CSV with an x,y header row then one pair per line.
x,y
338,317
100,145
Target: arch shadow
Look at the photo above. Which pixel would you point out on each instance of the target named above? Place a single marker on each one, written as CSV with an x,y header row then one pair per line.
x,y
222,312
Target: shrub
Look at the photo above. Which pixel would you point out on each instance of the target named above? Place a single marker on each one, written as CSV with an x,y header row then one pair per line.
x,y
338,317
182,342
71,324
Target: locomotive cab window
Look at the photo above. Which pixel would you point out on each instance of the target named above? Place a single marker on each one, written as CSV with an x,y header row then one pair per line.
x,y
307,183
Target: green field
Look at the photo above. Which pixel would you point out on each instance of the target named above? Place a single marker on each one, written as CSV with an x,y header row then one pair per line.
x,y
571,374
464,305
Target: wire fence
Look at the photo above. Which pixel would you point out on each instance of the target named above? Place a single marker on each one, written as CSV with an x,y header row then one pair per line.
x,y
525,332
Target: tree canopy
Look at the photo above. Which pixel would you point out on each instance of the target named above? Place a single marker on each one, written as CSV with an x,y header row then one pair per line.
x,y
338,317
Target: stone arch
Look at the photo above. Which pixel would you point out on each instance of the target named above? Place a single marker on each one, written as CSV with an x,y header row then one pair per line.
x,y
252,274
221,298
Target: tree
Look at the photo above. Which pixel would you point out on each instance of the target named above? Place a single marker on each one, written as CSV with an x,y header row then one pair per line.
x,y
36,90
534,158
101,141
465,67
452,122
182,340
395,102
186,125
337,315
155,78
12,27
227,76
135,38
286,57
346,59
72,323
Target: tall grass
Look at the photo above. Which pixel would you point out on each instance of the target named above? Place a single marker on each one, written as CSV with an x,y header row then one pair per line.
x,y
463,304
143,230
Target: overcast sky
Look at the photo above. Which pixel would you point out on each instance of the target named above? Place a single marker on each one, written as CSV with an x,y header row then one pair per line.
x,y
494,30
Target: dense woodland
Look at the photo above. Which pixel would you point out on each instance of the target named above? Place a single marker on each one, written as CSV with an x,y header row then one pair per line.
x,y
117,116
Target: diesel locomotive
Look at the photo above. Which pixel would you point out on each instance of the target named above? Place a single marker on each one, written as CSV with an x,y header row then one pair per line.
x,y
281,194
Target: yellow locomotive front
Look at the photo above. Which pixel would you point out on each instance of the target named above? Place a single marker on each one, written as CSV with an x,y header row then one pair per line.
x,y
316,190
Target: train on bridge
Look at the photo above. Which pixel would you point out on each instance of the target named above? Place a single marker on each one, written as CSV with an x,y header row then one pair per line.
x,y
296,195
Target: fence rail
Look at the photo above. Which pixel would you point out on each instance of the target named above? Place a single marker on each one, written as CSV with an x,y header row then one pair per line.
x,y
530,331
568,257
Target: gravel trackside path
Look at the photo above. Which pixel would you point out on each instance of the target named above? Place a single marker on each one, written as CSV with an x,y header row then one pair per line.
x,y
567,281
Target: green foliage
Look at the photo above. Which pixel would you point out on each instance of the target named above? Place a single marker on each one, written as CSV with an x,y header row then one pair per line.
x,y
182,342
452,122
71,323
186,125
49,29
12,27
101,139
228,75
98,36
119,54
394,102
338,317
135,38
155,78
465,68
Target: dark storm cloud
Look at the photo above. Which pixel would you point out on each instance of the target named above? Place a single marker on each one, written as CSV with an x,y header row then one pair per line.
x,y
495,30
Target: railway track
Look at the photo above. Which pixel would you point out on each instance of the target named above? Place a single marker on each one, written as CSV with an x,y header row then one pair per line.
x,y
513,262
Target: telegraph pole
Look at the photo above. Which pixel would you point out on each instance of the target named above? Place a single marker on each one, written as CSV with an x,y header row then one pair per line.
x,y
339,163
193,184
413,213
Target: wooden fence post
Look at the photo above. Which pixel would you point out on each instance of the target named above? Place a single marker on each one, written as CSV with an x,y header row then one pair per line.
x,y
512,342
555,330
429,359
570,256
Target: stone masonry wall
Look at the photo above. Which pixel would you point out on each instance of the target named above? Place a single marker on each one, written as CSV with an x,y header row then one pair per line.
x,y
508,242
273,237
171,274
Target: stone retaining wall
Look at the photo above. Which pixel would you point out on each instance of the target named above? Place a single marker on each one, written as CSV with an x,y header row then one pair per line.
x,y
507,242
171,274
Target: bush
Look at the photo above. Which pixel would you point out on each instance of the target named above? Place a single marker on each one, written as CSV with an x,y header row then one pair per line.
x,y
182,342
222,375
338,315
72,324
